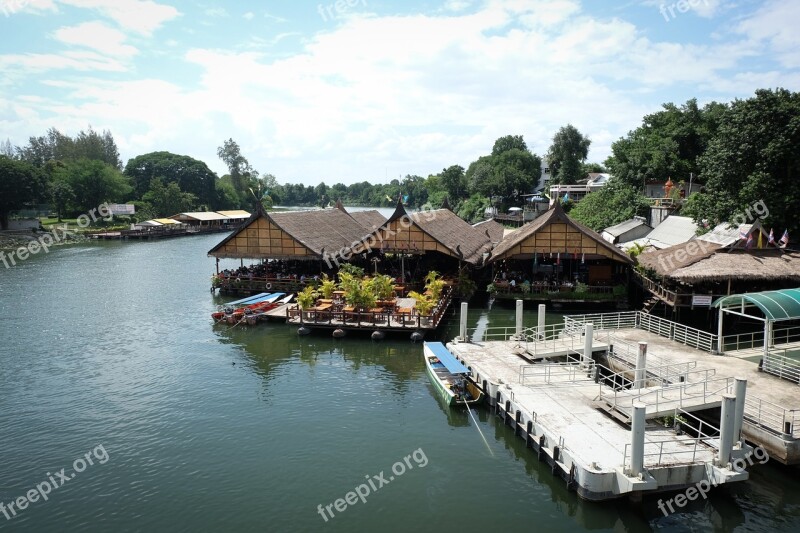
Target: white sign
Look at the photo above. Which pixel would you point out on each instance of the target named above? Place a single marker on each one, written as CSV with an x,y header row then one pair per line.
x,y
122,209
702,300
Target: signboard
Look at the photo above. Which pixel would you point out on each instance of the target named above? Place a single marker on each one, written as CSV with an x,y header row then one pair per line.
x,y
702,300
122,209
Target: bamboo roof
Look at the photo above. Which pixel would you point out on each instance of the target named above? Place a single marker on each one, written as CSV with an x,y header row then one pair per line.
x,y
291,235
369,220
741,265
555,232
438,230
493,230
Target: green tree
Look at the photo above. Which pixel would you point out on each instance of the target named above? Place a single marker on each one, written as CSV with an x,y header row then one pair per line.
x,y
95,182
168,199
509,142
56,146
667,144
454,182
753,160
614,203
191,175
61,195
20,184
242,174
567,155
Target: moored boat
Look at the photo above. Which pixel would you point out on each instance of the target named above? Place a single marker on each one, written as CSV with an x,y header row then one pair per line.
x,y
253,317
450,376
234,311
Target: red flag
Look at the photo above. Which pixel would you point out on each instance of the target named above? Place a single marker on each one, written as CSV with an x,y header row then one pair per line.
x,y
558,258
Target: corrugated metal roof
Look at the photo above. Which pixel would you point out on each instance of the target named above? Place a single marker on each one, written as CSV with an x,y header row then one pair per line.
x,y
726,233
624,227
204,216
236,213
673,230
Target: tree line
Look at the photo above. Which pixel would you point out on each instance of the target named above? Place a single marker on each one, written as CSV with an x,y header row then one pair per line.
x,y
740,152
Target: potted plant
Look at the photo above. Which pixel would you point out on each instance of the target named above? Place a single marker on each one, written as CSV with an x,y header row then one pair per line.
x,y
327,287
525,287
465,287
306,299
424,305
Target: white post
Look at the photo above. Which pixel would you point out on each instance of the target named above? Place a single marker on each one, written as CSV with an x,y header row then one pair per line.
x,y
540,321
720,346
726,429
518,331
766,337
641,363
637,438
740,390
462,334
588,331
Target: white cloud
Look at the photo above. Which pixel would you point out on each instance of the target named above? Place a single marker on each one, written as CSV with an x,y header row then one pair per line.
x,y
98,36
776,24
141,16
219,12
249,15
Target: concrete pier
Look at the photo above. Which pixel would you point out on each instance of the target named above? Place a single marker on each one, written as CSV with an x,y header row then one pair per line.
x,y
552,406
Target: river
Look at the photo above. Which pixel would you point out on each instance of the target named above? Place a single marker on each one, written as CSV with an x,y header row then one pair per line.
x,y
112,370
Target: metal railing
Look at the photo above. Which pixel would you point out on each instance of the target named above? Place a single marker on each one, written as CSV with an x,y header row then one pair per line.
x,y
755,339
557,372
782,366
693,337
702,391
770,416
677,447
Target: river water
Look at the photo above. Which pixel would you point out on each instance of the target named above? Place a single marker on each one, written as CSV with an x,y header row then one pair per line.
x,y
108,350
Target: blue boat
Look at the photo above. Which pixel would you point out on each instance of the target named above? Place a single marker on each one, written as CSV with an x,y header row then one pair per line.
x,y
450,376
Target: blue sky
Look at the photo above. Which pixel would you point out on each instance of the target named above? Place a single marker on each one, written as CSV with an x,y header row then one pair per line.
x,y
376,89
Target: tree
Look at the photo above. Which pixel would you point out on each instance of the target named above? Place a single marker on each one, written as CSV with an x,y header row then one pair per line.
x,y
242,174
509,142
55,146
7,149
20,184
667,144
567,155
454,182
614,203
191,175
752,159
61,195
95,182
168,199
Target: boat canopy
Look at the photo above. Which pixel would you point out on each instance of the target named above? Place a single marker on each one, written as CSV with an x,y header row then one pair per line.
x,y
453,365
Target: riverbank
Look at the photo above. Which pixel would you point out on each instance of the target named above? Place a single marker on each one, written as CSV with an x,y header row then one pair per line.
x,y
11,240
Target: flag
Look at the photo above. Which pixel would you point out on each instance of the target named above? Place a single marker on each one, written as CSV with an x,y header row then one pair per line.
x,y
760,240
749,241
771,239
784,239
566,197
575,255
535,258
389,198
742,234
558,258
405,198
583,258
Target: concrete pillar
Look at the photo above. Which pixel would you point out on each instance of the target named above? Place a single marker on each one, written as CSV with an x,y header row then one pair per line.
x,y
727,418
720,346
588,331
766,338
540,316
641,364
462,330
518,331
740,390
637,438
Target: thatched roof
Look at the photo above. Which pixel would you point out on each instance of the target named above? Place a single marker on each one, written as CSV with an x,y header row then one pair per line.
x,y
292,234
369,220
741,265
555,232
439,230
493,230
665,262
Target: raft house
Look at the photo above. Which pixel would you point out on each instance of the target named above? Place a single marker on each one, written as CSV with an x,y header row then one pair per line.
x,y
407,244
555,259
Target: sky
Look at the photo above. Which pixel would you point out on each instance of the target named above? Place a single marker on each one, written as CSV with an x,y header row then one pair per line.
x,y
373,90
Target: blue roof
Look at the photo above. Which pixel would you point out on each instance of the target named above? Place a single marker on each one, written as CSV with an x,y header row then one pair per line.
x,y
453,365
776,305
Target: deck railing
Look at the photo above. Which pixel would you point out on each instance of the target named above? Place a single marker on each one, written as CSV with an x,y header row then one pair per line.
x,y
654,450
780,365
550,373
693,337
755,339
